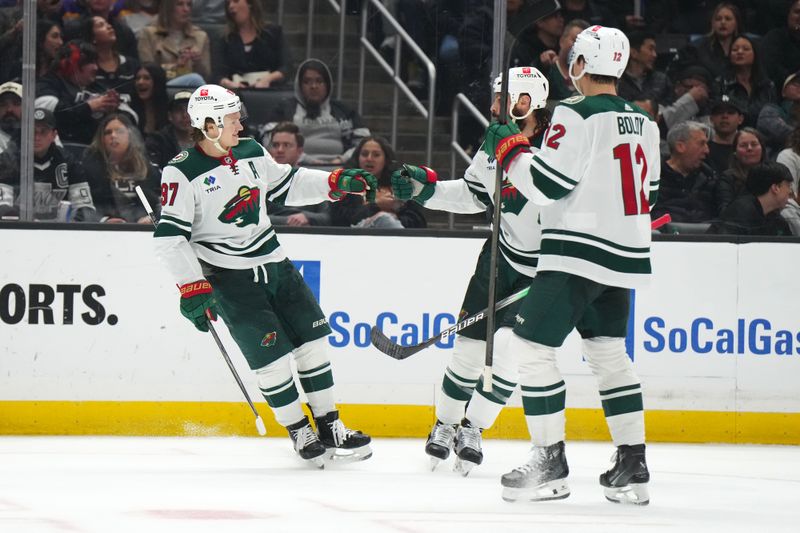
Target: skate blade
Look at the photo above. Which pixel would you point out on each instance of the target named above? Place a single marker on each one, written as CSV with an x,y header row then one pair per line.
x,y
552,490
341,456
632,494
435,462
463,467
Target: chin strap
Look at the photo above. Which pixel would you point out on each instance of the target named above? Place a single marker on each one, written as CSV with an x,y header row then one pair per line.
x,y
576,78
217,145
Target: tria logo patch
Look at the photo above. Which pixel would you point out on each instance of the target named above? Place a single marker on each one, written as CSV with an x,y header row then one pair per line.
x,y
242,209
210,180
269,339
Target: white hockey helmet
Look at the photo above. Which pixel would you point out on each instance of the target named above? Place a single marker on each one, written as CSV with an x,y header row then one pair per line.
x,y
214,102
604,50
525,80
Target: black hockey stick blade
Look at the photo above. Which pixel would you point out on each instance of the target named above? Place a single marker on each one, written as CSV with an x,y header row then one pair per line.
x,y
396,351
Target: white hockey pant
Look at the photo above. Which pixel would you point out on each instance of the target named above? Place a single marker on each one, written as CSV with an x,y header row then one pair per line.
x,y
314,371
620,388
464,374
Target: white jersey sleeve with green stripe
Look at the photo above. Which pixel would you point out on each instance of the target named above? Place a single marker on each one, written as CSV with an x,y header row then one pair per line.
x,y
217,212
596,178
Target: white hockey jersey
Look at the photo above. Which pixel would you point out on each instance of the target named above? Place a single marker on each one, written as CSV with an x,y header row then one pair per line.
x,y
215,209
596,177
519,235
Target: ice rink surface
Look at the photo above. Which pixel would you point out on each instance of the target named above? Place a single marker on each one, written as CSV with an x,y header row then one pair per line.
x,y
243,485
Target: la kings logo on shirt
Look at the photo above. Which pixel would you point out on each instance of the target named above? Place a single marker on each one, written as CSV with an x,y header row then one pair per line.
x,y
242,209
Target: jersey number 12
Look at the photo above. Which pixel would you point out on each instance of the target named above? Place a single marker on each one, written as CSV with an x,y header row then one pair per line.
x,y
634,204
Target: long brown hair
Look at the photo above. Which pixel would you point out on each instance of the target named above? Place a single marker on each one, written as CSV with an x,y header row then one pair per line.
x,y
256,17
134,163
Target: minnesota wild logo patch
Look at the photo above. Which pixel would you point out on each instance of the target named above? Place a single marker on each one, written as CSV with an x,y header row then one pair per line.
x,y
243,208
269,339
511,200
180,157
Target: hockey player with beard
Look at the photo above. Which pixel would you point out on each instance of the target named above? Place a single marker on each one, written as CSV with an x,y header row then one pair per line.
x,y
216,239
596,178
459,426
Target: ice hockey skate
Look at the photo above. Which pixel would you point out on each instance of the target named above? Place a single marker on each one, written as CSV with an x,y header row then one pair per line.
x,y
543,477
343,445
626,481
440,442
307,443
468,448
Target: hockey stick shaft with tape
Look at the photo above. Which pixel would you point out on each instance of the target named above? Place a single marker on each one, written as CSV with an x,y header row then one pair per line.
x,y
399,352
262,430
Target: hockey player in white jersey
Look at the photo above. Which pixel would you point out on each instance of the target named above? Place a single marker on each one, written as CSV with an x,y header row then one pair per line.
x,y
519,249
596,177
216,239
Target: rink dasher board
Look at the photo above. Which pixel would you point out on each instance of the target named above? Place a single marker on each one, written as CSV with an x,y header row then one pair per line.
x,y
93,342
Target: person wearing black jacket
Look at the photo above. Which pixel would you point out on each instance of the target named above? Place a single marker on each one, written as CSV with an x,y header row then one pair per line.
x,y
72,93
60,188
167,142
769,188
687,185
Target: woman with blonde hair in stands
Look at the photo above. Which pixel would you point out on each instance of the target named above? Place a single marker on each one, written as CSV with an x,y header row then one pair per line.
x,y
115,163
713,49
181,48
253,53
748,151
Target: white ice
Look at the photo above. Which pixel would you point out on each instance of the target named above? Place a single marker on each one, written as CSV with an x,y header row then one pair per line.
x,y
243,485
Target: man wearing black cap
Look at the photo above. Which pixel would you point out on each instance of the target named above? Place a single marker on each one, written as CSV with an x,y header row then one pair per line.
x,y
769,187
727,114
59,182
167,142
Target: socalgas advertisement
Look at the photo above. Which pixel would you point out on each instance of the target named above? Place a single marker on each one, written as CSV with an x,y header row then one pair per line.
x,y
91,316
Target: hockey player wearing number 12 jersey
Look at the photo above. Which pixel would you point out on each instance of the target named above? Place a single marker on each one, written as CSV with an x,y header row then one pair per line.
x,y
596,178
216,239
459,426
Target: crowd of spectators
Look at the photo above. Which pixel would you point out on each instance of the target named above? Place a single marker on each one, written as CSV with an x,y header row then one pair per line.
x,y
113,79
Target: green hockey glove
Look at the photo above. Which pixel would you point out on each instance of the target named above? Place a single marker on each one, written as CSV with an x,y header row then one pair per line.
x,y
197,303
414,183
505,142
352,181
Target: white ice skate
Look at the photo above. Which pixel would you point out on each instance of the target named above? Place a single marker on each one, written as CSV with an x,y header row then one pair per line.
x,y
440,442
468,448
543,477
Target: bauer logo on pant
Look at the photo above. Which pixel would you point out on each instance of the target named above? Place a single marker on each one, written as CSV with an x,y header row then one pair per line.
x,y
269,339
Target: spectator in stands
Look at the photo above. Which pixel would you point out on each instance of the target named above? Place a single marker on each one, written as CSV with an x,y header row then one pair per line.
x,y
377,155
781,47
11,24
727,115
107,10
48,40
713,50
72,93
139,13
286,147
687,185
746,80
151,102
176,136
790,157
557,64
749,151
640,78
769,189
181,48
331,129
115,163
253,53
10,113
542,36
691,90
777,121
57,178
114,71
654,17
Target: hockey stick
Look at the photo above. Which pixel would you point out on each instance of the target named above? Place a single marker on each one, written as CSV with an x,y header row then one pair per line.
x,y
396,351
538,12
262,430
